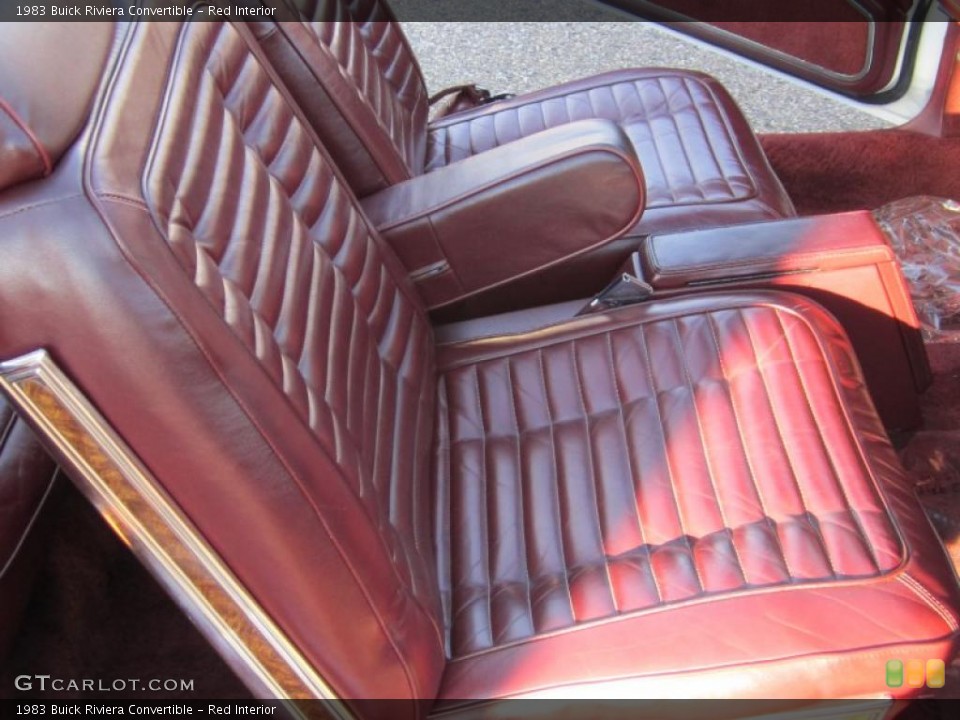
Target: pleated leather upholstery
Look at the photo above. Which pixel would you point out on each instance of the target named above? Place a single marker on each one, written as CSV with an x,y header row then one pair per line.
x,y
351,60
686,497
376,58
292,268
256,234
702,163
674,120
695,149
658,462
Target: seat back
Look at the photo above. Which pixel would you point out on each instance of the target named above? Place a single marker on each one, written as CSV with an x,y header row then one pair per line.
x,y
351,69
200,270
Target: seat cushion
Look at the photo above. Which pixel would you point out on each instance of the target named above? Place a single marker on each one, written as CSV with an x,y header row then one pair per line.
x,y
702,163
672,490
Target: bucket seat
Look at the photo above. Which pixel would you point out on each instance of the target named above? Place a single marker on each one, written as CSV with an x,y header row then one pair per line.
x,y
692,496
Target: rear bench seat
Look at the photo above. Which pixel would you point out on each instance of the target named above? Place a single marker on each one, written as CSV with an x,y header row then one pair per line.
x,y
689,497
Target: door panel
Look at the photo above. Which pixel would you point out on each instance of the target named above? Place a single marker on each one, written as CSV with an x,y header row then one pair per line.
x,y
849,46
840,47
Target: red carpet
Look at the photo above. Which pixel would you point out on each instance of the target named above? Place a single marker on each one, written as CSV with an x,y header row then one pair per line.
x,y
97,613
834,172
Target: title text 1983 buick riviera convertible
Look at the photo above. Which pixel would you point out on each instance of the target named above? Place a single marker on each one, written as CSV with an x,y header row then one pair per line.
x,y
581,394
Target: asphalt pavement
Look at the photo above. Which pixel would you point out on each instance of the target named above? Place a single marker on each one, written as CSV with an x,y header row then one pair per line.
x,y
523,56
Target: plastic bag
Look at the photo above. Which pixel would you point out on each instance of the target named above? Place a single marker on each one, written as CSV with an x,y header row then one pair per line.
x,y
925,234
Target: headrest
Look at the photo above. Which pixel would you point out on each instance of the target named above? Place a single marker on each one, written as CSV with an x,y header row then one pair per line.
x,y
49,73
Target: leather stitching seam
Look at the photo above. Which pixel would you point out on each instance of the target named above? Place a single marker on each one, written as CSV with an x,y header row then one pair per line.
x,y
30,135
929,600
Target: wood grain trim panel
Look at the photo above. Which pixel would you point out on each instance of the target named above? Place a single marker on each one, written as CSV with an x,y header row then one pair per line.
x,y
144,517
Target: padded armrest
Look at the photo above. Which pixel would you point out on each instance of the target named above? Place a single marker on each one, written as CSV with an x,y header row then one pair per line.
x,y
734,253
513,210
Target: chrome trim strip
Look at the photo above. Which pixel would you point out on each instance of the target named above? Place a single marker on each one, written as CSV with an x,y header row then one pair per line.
x,y
147,520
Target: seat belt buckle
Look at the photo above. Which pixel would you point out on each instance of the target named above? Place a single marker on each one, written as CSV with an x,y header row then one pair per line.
x,y
625,290
460,98
481,96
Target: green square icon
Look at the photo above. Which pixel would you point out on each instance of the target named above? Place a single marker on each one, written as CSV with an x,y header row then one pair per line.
x,y
894,673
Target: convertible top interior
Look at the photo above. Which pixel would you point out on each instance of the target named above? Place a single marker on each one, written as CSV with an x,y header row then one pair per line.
x,y
279,283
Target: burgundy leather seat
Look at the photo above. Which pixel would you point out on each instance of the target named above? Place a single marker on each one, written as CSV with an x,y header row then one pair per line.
x,y
692,497
361,87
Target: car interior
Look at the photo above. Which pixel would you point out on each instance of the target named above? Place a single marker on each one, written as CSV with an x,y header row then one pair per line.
x,y
454,399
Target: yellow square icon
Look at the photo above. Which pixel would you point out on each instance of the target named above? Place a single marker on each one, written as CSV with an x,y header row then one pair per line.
x,y
915,673
936,674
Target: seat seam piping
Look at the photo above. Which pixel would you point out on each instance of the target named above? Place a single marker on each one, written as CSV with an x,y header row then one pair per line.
x,y
595,515
701,436
854,513
636,478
